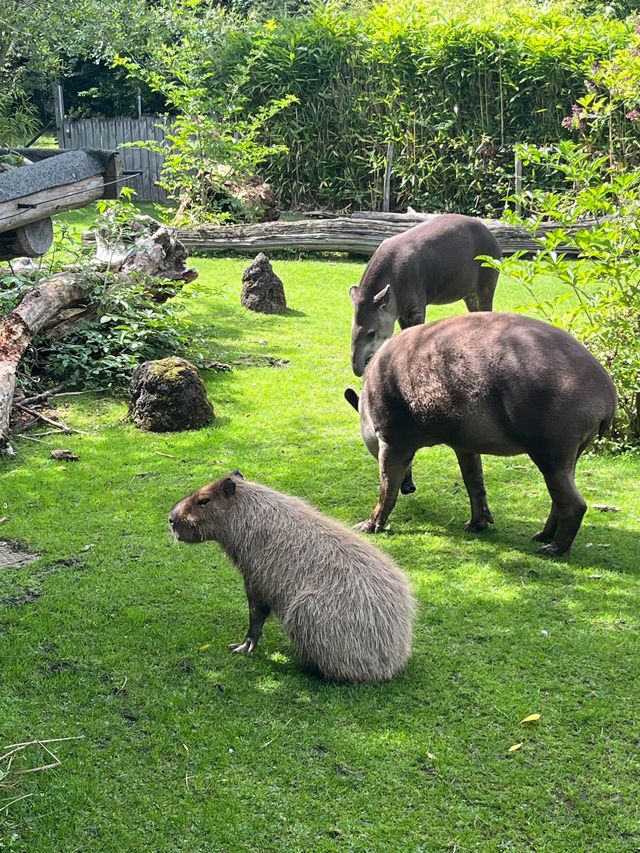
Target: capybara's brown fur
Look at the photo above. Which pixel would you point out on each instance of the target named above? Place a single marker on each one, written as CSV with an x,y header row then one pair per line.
x,y
347,607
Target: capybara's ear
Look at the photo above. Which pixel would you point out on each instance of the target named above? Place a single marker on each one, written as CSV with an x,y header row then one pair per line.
x,y
228,488
237,473
351,397
353,291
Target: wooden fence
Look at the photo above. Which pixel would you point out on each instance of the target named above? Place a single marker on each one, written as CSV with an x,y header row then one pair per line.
x,y
112,134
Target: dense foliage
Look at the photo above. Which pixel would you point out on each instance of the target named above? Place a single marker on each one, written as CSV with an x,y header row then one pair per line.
x,y
597,210
213,137
126,327
453,93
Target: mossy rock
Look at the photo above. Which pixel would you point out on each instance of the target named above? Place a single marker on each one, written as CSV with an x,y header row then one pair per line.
x,y
168,396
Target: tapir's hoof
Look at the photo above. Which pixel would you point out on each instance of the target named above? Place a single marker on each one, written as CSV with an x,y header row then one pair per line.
x,y
408,488
477,525
541,536
368,526
552,550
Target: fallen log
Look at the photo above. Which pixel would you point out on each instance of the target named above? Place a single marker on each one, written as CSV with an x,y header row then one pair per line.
x,y
20,326
58,304
358,234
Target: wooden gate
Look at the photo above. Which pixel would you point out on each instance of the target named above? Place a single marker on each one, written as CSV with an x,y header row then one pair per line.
x,y
112,134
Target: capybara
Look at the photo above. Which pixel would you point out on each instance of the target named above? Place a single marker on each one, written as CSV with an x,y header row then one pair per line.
x,y
486,383
346,606
430,264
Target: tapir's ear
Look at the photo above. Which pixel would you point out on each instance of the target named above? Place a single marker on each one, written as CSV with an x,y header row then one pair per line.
x,y
228,488
351,397
380,299
353,292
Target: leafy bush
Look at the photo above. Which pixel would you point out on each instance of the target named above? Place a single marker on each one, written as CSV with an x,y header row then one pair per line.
x,y
453,92
213,137
599,215
129,328
125,327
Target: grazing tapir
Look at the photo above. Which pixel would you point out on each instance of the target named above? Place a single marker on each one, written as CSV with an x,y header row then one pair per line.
x,y
430,264
486,383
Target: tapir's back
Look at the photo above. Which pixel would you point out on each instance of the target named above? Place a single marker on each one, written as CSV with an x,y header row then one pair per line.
x,y
490,383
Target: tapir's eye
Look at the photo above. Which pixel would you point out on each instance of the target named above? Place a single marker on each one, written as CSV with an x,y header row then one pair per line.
x,y
371,334
203,501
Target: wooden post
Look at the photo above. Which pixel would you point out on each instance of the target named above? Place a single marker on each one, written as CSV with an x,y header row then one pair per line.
x,y
386,191
139,102
58,103
28,241
518,182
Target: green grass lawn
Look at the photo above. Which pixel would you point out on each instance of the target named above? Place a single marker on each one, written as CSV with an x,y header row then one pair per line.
x,y
119,636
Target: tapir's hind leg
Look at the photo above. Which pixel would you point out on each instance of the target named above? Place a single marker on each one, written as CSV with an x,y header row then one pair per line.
x,y
471,468
550,526
393,470
567,509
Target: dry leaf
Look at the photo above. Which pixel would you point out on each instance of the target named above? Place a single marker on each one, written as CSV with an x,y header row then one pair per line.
x,y
606,507
532,718
515,747
594,577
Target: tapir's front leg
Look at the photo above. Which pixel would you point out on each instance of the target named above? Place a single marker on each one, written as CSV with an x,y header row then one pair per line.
x,y
413,317
393,470
408,487
471,469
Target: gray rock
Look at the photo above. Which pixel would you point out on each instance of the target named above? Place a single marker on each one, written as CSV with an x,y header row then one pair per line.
x,y
168,396
262,290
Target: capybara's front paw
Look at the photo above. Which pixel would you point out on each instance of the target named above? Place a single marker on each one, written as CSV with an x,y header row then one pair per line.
x,y
245,647
368,526
552,550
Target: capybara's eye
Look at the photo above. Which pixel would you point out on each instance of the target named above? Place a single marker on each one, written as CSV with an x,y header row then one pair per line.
x,y
371,333
203,501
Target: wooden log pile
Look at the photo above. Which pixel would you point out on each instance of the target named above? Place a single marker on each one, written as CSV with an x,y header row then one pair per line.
x,y
18,329
358,234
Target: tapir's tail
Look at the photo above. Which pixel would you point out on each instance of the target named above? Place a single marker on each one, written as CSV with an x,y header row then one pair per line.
x,y
604,426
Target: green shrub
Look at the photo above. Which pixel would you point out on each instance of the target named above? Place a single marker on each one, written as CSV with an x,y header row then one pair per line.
x,y
453,94
599,216
126,327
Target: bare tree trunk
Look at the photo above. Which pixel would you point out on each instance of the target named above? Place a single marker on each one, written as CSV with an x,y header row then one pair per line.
x,y
18,329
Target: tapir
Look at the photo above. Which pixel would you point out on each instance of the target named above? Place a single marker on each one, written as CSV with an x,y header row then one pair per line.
x,y
486,383
430,264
